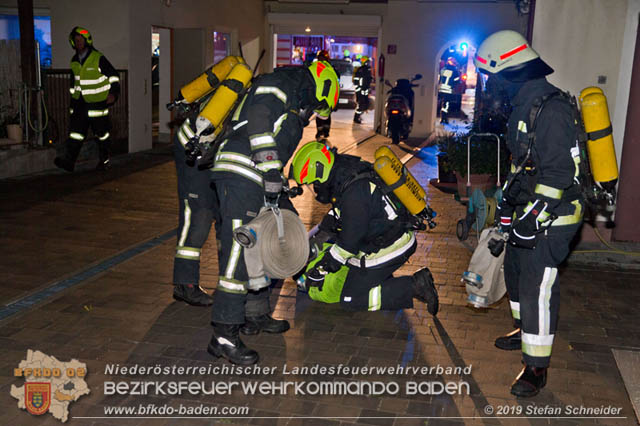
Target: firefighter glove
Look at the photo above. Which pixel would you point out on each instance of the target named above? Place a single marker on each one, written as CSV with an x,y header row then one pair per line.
x,y
329,224
315,278
534,220
328,263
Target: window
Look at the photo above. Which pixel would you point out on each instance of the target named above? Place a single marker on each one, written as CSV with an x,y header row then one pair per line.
x,y
10,30
221,46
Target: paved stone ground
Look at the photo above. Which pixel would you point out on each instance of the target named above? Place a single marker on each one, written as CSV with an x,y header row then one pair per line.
x,y
56,225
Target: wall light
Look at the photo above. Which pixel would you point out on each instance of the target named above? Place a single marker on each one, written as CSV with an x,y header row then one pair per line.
x,y
307,30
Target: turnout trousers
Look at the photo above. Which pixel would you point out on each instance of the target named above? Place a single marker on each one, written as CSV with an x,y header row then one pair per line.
x,y
375,289
83,116
198,209
240,202
363,103
531,276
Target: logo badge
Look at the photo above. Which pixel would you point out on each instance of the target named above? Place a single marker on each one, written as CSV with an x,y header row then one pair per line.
x,y
37,397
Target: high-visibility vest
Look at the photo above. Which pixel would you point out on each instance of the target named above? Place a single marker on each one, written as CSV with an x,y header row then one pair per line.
x,y
89,80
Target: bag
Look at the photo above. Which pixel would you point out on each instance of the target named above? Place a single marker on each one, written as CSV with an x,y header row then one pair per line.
x,y
484,278
333,282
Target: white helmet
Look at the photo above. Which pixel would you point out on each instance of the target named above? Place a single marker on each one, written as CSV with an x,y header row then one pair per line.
x,y
509,51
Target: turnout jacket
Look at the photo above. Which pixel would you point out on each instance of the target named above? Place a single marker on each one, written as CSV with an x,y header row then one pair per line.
x,y
370,227
449,79
267,125
362,79
554,157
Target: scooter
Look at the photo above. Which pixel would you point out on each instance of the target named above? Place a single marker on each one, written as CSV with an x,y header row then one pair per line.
x,y
399,108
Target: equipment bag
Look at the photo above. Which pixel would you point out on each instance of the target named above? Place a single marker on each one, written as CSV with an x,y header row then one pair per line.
x,y
484,278
333,282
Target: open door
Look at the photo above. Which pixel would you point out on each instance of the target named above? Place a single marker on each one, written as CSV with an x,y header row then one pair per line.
x,y
161,82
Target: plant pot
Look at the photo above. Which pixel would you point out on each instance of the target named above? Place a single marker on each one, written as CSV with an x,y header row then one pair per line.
x,y
482,182
14,132
444,176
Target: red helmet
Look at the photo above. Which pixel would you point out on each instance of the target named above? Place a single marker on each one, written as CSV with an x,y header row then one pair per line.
x,y
323,55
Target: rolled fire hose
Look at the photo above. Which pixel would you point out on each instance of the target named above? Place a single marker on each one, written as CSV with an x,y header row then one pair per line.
x,y
276,245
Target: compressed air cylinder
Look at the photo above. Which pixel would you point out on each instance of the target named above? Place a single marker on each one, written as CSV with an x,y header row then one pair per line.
x,y
387,152
602,154
391,170
225,96
209,79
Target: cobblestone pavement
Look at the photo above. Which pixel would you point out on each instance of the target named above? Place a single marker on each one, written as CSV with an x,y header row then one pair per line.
x,y
55,226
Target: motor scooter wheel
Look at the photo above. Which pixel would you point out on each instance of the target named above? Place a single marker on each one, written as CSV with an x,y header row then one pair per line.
x,y
395,138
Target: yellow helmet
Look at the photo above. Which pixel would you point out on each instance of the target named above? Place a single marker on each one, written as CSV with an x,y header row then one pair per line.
x,y
364,60
327,86
312,163
83,32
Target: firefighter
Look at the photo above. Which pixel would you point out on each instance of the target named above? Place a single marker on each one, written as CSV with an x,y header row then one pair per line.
x,y
323,124
373,237
542,205
449,80
198,201
95,86
268,125
362,79
198,209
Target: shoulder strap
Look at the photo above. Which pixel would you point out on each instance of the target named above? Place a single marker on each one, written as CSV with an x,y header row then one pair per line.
x,y
356,176
538,106
535,111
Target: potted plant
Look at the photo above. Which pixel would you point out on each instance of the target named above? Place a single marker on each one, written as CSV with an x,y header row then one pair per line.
x,y
483,162
14,131
446,173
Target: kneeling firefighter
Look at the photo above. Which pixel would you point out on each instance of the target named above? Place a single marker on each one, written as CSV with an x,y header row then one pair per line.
x,y
374,235
267,127
542,196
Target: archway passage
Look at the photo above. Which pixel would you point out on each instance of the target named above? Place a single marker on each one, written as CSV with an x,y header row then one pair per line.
x,y
456,81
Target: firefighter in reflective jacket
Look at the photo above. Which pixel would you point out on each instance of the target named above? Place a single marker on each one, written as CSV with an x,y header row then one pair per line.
x,y
362,79
373,239
268,125
95,86
449,80
323,124
542,205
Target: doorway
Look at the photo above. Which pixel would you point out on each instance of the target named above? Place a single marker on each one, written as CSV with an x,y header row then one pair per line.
x,y
296,38
346,56
161,78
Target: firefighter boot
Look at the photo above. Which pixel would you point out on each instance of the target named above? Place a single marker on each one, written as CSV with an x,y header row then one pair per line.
x,y
529,381
511,341
425,291
255,325
192,294
357,119
104,161
63,163
66,159
225,342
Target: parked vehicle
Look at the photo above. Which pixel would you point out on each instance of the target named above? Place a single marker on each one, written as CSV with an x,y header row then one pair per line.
x,y
398,108
344,68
